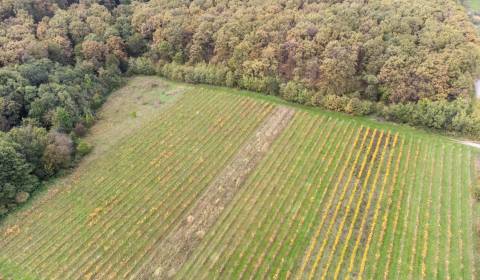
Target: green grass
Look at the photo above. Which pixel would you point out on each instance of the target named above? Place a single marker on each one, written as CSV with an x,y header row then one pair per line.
x,y
474,5
147,181
335,197
296,222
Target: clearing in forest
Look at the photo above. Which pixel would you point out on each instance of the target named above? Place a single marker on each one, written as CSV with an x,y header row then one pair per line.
x,y
221,185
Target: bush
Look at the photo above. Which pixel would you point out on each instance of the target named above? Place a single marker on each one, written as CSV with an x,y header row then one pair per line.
x,y
335,102
230,80
174,71
83,148
467,124
198,74
58,152
89,119
110,77
62,120
15,176
136,45
476,193
190,76
140,66
22,197
295,92
97,101
31,142
36,71
266,85
80,130
450,116
358,107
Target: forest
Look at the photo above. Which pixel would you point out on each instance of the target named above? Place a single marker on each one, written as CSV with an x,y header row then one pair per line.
x,y
406,61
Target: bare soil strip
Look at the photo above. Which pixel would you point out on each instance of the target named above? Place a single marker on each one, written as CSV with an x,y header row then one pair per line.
x,y
173,250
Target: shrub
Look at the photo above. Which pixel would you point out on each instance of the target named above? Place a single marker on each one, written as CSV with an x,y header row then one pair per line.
x,y
80,130
179,57
177,73
199,74
97,101
31,142
453,116
136,45
58,152
62,120
289,91
478,228
189,75
36,71
399,112
295,92
22,197
140,66
110,77
15,176
230,80
465,123
358,107
83,148
268,85
316,99
352,106
89,119
335,102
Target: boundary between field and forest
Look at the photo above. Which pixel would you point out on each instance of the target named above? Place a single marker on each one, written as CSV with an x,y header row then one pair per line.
x,y
373,122
190,230
367,120
126,110
418,132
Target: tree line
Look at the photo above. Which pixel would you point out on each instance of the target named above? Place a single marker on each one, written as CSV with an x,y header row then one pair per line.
x,y
407,61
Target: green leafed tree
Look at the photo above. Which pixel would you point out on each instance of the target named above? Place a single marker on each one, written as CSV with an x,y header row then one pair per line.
x,y
16,179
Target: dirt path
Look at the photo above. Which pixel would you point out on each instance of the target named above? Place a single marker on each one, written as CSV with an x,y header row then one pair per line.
x,y
470,143
177,246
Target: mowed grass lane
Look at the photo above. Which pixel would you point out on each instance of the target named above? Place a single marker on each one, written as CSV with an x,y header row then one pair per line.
x,y
337,199
106,223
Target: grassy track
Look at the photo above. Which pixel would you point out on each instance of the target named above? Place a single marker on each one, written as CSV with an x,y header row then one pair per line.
x,y
334,198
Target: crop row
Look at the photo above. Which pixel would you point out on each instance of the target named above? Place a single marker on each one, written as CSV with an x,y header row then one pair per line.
x,y
273,212
116,212
332,199
364,204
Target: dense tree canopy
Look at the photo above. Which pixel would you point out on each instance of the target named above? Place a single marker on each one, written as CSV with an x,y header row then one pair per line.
x,y
58,61
15,178
395,51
